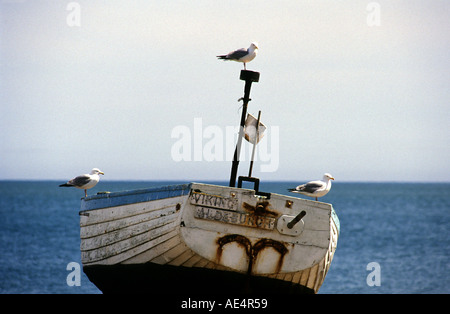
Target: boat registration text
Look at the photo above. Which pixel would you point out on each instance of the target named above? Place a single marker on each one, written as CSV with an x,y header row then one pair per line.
x,y
236,218
215,201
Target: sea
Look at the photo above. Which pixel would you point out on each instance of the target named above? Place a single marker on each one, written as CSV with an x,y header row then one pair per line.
x,y
394,237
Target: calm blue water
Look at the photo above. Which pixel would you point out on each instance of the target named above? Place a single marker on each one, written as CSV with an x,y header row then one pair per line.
x,y
402,227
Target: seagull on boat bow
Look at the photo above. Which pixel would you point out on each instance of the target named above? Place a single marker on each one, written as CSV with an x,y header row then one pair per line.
x,y
315,188
85,181
242,55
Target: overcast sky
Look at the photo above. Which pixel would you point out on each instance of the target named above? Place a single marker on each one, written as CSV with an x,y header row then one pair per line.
x,y
359,89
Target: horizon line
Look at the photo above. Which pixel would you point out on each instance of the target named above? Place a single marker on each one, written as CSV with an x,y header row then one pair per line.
x,y
221,181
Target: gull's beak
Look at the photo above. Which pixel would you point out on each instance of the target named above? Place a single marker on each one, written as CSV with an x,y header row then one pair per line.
x,y
332,178
101,172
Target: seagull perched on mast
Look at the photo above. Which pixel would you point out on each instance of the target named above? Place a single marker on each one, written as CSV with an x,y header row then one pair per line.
x,y
242,55
85,181
315,188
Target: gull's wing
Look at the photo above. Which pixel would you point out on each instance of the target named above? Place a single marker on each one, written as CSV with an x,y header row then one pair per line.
x,y
80,180
235,55
311,187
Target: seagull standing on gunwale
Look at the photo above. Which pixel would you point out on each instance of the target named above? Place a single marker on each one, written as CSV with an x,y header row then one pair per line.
x,y
85,181
242,55
315,188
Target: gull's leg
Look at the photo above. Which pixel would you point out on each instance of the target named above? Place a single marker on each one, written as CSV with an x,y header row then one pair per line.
x,y
85,193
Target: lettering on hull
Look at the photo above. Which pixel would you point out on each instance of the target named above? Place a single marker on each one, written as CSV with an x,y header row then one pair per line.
x,y
235,218
215,201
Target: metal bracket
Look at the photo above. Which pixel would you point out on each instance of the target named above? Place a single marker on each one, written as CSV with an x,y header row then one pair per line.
x,y
255,185
291,225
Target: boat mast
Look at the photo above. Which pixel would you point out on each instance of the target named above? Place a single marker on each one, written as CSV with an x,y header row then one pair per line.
x,y
249,77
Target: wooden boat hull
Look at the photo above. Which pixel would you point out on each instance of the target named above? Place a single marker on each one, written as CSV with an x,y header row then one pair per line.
x,y
210,237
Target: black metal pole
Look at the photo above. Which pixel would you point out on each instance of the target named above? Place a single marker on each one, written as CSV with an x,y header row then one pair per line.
x,y
249,77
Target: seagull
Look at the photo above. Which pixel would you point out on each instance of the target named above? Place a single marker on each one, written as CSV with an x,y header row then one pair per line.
x,y
85,181
315,188
242,55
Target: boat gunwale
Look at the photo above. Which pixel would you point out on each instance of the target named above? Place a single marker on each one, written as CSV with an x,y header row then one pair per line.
x,y
114,199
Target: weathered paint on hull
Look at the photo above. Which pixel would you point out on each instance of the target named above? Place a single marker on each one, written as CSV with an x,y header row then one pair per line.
x,y
207,231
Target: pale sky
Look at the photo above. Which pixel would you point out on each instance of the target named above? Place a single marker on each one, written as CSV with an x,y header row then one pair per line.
x,y
338,94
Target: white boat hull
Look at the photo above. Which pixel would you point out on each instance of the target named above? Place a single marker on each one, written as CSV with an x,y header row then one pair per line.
x,y
210,236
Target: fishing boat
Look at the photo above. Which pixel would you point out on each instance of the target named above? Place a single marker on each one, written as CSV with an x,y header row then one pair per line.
x,y
207,238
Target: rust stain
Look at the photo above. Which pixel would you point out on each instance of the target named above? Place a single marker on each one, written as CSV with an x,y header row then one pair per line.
x,y
252,251
241,240
260,209
278,246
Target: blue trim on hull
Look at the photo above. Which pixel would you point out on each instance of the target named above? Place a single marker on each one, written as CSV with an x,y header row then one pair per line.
x,y
135,196
336,220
